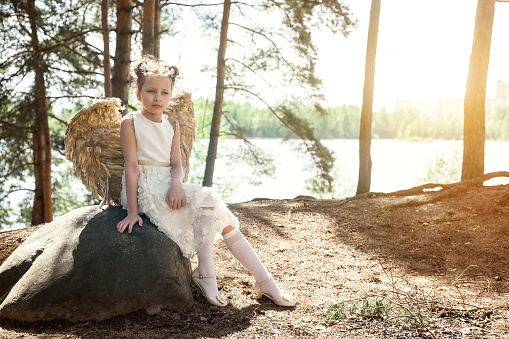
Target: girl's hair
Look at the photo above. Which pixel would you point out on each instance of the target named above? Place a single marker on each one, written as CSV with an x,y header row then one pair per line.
x,y
150,66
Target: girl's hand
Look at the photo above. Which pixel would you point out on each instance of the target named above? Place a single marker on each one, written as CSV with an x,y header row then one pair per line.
x,y
176,198
129,222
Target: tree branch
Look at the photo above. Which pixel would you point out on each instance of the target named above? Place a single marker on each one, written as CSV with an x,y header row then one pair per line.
x,y
271,41
59,97
9,124
249,68
74,72
58,119
2,65
268,106
58,150
22,26
239,132
202,5
11,171
17,190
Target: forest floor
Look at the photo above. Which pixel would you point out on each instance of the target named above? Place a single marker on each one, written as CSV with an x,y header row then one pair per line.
x,y
426,265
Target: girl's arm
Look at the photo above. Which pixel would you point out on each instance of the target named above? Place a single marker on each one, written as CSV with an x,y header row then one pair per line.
x,y
176,198
132,172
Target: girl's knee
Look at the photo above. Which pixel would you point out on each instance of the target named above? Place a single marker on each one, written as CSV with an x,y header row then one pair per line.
x,y
227,229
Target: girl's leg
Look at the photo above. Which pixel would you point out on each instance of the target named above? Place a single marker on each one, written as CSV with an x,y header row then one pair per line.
x,y
244,253
205,274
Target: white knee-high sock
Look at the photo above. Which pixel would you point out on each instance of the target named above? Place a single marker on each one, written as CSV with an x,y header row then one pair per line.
x,y
205,255
206,269
245,254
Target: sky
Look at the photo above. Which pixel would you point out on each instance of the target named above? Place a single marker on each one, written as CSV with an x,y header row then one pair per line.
x,y
423,52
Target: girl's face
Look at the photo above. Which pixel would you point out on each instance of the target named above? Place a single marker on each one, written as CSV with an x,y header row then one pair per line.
x,y
155,96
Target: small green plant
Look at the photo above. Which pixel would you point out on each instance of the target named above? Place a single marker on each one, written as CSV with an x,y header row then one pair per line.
x,y
445,168
379,307
365,308
343,185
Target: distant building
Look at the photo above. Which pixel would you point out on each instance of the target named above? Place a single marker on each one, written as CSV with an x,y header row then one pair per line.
x,y
454,107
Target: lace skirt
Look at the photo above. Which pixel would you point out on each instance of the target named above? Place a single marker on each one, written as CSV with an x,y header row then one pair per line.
x,y
179,225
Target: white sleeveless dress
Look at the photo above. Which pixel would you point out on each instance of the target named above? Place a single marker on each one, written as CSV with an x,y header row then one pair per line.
x,y
153,143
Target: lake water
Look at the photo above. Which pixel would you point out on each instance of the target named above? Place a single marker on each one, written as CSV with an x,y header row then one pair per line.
x,y
396,165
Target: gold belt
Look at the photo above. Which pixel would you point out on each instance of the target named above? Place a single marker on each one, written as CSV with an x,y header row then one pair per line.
x,y
153,163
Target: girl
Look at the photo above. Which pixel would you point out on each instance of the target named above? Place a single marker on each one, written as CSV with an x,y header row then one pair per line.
x,y
191,215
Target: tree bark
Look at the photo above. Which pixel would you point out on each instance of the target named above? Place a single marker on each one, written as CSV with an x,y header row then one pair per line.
x,y
157,30
42,211
218,103
106,53
120,79
364,182
475,94
147,41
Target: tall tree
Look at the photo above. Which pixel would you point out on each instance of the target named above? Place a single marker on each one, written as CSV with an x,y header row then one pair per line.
x,y
475,94
157,29
120,79
281,49
364,182
106,51
44,48
42,211
218,103
149,11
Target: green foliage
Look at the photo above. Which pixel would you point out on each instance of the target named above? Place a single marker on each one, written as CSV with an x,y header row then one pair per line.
x,y
223,183
343,122
281,48
409,124
343,186
378,308
498,127
445,168
364,308
48,40
68,192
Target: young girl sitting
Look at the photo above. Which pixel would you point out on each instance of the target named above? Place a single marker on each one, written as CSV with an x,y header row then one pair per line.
x,y
189,214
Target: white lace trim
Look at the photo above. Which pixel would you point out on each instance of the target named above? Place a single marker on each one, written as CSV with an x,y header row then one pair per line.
x,y
178,225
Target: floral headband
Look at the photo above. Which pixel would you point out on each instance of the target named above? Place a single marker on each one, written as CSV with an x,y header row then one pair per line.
x,y
171,69
172,72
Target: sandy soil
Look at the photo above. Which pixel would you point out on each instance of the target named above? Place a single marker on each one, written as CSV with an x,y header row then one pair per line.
x,y
446,261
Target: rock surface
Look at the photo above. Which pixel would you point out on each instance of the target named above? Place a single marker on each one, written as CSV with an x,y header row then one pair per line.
x,y
79,267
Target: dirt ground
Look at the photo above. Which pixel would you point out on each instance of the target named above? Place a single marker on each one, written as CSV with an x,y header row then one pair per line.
x,y
445,262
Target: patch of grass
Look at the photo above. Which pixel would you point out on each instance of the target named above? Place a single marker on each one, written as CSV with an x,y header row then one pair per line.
x,y
409,304
365,308
378,307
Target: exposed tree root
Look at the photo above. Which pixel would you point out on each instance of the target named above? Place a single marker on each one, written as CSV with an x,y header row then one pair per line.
x,y
446,190
424,196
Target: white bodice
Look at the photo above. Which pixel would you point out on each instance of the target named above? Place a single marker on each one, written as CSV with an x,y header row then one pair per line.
x,y
153,139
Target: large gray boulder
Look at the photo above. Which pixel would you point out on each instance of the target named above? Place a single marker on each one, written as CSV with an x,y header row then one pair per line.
x,y
79,267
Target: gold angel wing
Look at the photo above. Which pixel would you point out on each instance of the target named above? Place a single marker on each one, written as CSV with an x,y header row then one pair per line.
x,y
182,110
92,142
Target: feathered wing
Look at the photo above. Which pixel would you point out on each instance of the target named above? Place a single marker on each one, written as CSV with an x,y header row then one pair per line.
x,y
92,142
182,110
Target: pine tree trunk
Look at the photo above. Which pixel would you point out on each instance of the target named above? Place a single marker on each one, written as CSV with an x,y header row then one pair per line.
x,y
364,183
42,211
148,27
106,52
157,30
120,79
475,94
218,103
